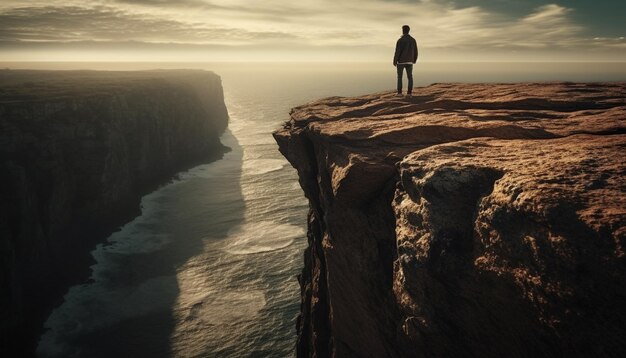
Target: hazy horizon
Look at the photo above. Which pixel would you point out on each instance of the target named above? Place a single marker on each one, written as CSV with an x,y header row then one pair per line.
x,y
325,79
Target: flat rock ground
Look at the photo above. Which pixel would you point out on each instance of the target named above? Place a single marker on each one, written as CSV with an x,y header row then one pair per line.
x,y
509,210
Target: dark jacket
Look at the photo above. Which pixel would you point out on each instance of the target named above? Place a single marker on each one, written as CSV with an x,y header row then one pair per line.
x,y
406,50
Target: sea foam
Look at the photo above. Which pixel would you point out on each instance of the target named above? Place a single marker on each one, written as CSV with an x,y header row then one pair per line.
x,y
261,236
263,166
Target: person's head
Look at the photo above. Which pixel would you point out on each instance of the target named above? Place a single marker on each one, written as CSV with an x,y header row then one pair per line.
x,y
405,29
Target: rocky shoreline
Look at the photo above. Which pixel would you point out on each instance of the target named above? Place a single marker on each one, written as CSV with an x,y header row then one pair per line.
x,y
475,220
78,150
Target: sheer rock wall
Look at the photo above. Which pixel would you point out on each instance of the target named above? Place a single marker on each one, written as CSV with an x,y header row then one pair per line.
x,y
78,149
473,220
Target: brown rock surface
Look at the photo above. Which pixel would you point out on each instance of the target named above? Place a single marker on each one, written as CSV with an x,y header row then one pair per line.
x,y
481,220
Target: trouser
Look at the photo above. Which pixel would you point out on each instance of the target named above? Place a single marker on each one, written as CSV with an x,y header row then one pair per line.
x,y
409,74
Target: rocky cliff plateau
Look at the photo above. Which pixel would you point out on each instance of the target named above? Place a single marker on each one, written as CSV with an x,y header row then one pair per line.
x,y
78,149
472,220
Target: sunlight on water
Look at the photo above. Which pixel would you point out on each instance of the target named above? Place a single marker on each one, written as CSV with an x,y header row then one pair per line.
x,y
256,237
208,268
209,312
263,166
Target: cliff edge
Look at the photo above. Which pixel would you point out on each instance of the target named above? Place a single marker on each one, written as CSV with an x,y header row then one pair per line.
x,y
472,220
78,149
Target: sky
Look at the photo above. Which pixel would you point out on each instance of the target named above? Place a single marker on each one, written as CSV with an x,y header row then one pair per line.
x,y
311,30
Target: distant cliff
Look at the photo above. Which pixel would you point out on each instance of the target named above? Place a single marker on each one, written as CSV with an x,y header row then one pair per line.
x,y
78,149
472,220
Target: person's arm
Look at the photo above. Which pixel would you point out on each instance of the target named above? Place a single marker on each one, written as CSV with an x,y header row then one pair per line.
x,y
397,53
415,52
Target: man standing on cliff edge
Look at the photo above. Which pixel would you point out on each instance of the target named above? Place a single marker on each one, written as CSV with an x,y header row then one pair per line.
x,y
404,58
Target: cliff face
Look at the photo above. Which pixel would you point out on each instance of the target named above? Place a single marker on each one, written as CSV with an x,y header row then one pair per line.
x,y
77,151
472,220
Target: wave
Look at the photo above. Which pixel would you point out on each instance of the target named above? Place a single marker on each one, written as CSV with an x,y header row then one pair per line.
x,y
263,139
104,306
261,236
296,186
262,166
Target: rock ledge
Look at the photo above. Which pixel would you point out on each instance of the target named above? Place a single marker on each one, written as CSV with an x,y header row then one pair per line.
x,y
482,220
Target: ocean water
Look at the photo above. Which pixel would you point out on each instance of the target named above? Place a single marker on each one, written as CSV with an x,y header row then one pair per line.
x,y
209,268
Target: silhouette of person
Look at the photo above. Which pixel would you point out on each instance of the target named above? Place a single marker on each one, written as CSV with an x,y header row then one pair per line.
x,y
404,58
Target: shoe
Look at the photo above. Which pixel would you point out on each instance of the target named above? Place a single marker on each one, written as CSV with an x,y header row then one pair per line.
x,y
399,94
408,95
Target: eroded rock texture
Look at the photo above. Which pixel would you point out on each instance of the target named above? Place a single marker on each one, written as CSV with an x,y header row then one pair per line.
x,y
472,220
78,149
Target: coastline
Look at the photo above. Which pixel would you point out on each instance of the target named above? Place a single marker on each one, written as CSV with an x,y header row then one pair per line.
x,y
94,150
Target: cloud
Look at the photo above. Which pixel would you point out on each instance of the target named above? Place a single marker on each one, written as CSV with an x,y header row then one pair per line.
x,y
101,23
164,2
610,42
280,11
549,25
439,26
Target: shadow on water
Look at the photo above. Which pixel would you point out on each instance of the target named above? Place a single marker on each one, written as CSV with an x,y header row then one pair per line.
x,y
131,307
